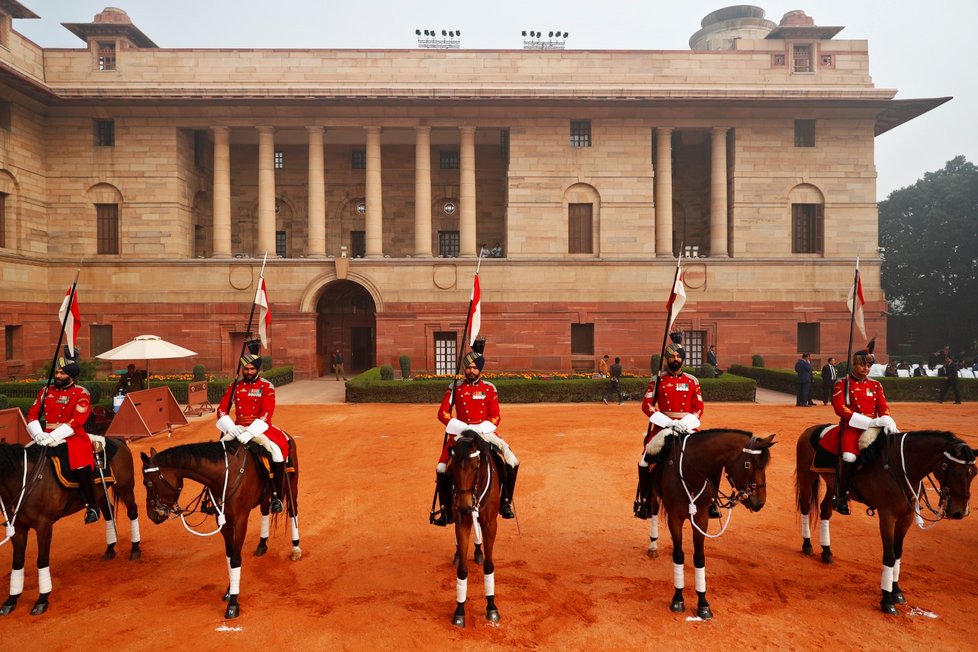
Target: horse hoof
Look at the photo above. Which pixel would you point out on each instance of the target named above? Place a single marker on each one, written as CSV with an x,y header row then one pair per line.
x,y
888,609
135,554
677,606
704,612
458,620
899,598
807,549
479,558
261,550
39,608
492,615
827,558
232,611
296,553
7,608
653,553
109,554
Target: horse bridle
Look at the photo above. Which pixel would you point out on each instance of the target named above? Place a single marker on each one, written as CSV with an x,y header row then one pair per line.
x,y
458,492
154,500
943,491
741,494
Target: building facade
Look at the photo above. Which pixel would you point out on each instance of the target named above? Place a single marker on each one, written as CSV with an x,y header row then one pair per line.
x,y
374,179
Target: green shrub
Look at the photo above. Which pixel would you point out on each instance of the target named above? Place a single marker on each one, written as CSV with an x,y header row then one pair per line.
x,y
706,371
405,361
95,390
4,402
756,361
200,373
387,372
266,362
88,369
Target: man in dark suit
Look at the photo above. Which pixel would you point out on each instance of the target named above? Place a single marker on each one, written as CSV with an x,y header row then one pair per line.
x,y
803,371
828,381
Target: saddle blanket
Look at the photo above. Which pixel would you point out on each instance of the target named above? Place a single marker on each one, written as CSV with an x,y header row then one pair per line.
x,y
62,468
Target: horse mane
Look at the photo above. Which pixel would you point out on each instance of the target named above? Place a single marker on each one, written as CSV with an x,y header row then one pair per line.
x,y
958,445
765,456
211,451
12,456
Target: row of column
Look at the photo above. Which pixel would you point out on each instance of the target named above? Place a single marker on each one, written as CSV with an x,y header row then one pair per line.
x,y
316,246
374,234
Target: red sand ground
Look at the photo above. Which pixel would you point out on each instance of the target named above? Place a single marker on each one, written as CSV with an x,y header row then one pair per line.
x,y
574,575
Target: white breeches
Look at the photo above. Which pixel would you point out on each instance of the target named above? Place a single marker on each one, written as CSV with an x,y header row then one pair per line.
x,y
508,456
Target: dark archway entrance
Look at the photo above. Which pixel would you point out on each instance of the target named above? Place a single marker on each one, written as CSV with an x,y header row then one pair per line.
x,y
347,320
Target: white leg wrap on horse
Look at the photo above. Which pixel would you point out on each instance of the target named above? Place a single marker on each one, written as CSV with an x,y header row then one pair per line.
x,y
654,528
699,579
441,468
44,580
235,576
806,527
896,571
266,522
678,579
886,581
490,585
110,536
460,589
295,528
823,533
16,582
134,530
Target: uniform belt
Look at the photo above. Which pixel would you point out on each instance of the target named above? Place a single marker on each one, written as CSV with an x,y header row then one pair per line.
x,y
675,415
51,426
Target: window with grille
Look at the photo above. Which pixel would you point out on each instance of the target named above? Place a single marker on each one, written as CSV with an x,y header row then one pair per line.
x,y
279,160
107,228
448,244
12,342
808,337
580,133
446,352
693,342
807,228
449,159
101,338
358,244
802,57
582,339
105,133
579,229
3,219
106,56
358,160
280,244
804,133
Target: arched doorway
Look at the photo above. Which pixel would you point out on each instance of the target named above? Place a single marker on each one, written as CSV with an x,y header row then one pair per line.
x,y
346,320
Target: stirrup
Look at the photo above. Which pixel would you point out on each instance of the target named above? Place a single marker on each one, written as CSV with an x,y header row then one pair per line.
x,y
714,511
841,506
276,506
506,511
207,506
91,515
441,520
642,511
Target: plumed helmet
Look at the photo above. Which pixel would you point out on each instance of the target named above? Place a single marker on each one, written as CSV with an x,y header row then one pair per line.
x,y
252,354
475,355
865,356
676,346
68,364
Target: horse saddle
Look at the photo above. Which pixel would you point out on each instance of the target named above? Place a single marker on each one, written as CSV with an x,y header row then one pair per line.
x,y
69,479
827,462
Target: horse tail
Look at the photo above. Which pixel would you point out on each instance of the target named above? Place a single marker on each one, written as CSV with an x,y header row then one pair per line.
x,y
805,479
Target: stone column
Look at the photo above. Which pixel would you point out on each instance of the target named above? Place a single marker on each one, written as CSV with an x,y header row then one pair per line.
x,y
266,191
375,207
718,193
466,194
222,192
422,192
663,192
316,247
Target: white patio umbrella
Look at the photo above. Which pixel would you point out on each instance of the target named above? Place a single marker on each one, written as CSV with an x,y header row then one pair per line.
x,y
146,347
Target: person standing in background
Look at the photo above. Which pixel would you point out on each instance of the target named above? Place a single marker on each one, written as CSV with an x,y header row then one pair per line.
x,y
803,371
828,380
337,361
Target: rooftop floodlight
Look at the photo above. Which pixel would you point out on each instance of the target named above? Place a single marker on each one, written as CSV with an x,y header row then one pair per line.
x,y
418,32
458,32
524,32
565,34
551,35
444,33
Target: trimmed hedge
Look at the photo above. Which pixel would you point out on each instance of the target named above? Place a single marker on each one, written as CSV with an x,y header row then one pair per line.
x,y
369,388
915,389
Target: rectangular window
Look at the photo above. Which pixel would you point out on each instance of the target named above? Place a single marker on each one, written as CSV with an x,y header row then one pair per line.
x,y
693,343
579,229
582,339
358,244
802,57
808,338
580,133
280,248
446,352
358,159
105,133
448,244
12,342
804,133
107,228
106,56
101,338
5,110
807,228
279,160
3,219
449,160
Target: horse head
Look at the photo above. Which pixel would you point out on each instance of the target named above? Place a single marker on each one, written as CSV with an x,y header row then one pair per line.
x,y
465,470
956,471
747,472
162,489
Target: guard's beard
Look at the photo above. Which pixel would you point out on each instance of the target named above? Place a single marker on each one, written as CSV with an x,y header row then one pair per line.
x,y
62,383
249,378
675,365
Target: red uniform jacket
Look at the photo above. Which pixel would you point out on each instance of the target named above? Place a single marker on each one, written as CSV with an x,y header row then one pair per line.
x,y
679,395
474,403
254,400
866,397
70,405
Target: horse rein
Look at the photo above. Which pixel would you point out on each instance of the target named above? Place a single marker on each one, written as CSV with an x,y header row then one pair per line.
x,y
477,500
25,491
944,492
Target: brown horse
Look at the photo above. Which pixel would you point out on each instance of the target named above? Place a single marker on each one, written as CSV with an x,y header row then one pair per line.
x,y
686,492
33,499
889,482
232,474
475,499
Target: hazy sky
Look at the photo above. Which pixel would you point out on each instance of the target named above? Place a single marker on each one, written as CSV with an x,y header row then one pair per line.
x,y
922,49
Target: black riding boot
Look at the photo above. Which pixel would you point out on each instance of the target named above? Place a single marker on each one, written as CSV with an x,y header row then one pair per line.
x,y
278,487
86,485
445,516
506,509
714,511
842,491
642,508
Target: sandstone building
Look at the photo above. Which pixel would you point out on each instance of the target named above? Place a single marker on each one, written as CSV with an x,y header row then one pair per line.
x,y
374,177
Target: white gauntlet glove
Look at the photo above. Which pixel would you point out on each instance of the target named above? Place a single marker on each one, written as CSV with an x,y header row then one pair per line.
x,y
678,427
455,426
661,420
486,428
34,429
860,421
888,425
60,433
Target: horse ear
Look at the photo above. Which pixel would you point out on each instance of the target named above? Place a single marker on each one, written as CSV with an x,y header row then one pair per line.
x,y
144,457
769,441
